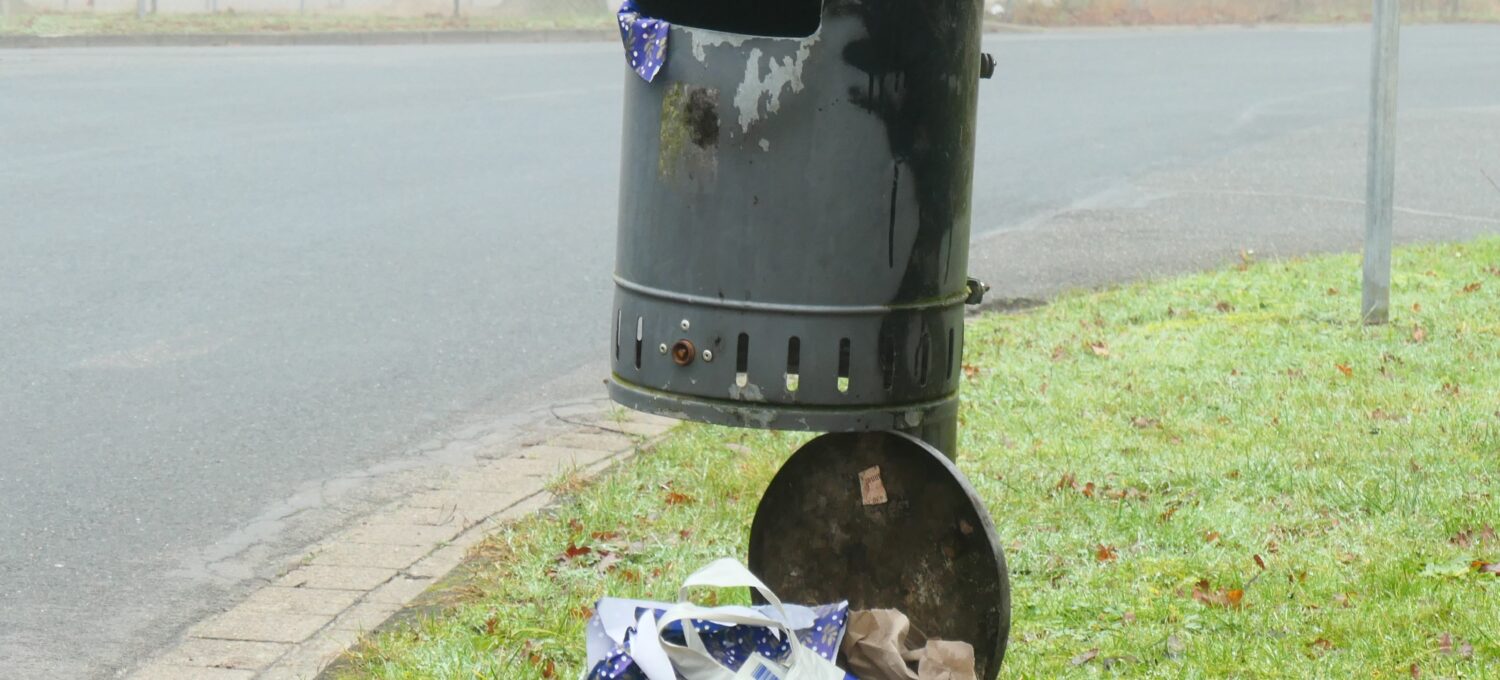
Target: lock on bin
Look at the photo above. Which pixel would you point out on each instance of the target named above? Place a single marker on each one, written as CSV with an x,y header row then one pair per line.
x,y
793,255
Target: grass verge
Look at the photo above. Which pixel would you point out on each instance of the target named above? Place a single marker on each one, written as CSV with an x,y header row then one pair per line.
x,y
1216,475
229,22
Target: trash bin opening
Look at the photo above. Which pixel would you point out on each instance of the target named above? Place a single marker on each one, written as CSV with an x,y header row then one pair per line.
x,y
775,18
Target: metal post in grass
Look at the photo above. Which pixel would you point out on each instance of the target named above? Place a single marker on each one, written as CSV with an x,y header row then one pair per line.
x,y
1381,195
140,9
455,9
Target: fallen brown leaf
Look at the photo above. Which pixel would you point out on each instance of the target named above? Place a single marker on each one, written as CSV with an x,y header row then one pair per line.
x,y
574,552
1416,307
1345,369
1059,353
1450,389
1473,287
1085,657
1106,553
1260,562
1224,307
1333,291
1418,334
1167,515
1323,644
1144,423
679,498
1228,598
1416,671
1175,646
1210,537
1088,490
1492,568
971,371
1100,349
1451,646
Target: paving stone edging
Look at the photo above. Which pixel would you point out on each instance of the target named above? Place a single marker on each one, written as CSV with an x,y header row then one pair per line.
x,y
300,623
445,37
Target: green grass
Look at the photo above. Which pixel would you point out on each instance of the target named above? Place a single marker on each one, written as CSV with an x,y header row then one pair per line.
x,y
1130,445
228,22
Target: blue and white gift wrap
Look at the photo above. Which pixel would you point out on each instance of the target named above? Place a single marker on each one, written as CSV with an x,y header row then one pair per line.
x,y
613,629
645,41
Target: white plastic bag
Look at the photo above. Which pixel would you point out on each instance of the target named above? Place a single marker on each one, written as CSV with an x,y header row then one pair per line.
x,y
663,660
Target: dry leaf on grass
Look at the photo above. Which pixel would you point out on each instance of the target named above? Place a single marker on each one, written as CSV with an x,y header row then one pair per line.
x,y
1106,553
1085,657
1100,349
1345,369
1229,598
1175,646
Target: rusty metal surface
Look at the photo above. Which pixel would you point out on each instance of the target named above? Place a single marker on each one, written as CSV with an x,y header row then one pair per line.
x,y
912,536
798,192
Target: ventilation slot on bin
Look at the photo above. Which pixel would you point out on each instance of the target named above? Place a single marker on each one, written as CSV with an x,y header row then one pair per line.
x,y
640,339
844,365
742,361
793,364
775,18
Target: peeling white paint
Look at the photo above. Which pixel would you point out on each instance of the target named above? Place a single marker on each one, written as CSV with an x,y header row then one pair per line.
x,y
703,39
750,392
782,74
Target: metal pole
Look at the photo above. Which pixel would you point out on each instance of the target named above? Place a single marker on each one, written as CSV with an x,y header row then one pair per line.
x,y
140,9
455,9
1380,199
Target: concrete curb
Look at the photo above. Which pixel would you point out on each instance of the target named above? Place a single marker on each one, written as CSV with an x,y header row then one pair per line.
x,y
304,620
307,39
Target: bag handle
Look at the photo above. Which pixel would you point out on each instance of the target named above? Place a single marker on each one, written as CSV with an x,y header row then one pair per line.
x,y
692,659
729,573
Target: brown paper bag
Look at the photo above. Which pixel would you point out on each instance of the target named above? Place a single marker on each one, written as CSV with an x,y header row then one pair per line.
x,y
876,643
947,661
881,644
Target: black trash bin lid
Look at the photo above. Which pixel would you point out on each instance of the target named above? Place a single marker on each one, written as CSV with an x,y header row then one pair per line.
x,y
885,521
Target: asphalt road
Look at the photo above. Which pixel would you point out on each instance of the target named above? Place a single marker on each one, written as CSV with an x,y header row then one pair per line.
x,y
231,275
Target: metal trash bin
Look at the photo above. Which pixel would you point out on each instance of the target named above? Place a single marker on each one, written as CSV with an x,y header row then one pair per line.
x,y
794,235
